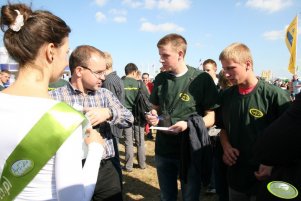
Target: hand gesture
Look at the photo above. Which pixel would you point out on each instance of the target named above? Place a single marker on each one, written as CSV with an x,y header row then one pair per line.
x,y
178,127
93,136
152,117
97,115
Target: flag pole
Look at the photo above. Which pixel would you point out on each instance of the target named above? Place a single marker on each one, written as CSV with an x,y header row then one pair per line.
x,y
296,43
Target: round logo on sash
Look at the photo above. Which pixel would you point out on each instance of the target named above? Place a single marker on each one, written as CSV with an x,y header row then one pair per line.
x,y
256,113
184,97
21,167
282,190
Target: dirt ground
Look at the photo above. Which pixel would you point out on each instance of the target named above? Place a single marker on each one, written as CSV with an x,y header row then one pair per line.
x,y
143,184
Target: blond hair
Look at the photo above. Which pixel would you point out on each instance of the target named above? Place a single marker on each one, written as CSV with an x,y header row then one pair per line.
x,y
237,52
109,60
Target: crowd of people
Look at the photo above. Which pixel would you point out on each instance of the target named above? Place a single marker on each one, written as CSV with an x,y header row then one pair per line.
x,y
227,131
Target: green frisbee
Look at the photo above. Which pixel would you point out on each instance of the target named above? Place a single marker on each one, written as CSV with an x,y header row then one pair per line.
x,y
282,189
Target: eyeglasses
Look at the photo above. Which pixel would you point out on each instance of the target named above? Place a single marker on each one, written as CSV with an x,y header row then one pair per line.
x,y
96,74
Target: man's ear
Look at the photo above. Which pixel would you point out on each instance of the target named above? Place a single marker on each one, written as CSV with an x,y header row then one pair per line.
x,y
249,65
78,71
181,54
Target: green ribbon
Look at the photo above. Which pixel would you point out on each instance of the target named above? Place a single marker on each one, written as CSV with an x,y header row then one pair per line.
x,y
37,148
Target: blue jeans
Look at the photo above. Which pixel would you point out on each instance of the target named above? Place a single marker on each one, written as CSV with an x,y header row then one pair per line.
x,y
168,173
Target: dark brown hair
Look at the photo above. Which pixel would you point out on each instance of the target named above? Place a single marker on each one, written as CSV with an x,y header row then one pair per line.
x,y
39,27
129,68
209,61
81,55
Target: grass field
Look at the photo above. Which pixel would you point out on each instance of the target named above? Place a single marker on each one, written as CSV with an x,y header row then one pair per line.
x,y
143,184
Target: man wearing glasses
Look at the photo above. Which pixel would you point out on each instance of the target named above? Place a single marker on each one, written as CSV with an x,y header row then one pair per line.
x,y
88,66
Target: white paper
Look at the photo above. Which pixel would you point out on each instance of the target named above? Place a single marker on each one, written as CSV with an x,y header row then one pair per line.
x,y
160,128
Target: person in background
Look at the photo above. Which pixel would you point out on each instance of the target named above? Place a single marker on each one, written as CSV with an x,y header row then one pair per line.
x,y
194,93
4,78
56,171
114,84
61,82
149,85
296,85
88,67
146,80
247,108
138,75
223,82
219,167
136,132
210,67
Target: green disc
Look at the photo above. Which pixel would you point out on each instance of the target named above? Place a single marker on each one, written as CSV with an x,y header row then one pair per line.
x,y
282,189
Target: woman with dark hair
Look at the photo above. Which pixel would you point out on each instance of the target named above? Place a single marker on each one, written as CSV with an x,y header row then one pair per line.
x,y
41,139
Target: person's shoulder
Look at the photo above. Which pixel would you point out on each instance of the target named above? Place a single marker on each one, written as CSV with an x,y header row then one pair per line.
x,y
196,72
104,91
129,80
61,93
199,75
61,82
59,89
269,87
161,77
270,90
229,92
113,75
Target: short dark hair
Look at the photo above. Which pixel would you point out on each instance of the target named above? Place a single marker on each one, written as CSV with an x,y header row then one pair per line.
x,y
5,71
81,55
209,61
129,68
145,74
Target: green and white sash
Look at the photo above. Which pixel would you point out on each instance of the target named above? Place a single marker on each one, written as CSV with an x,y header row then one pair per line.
x,y
37,148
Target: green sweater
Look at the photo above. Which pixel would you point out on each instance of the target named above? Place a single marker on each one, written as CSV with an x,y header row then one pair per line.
x,y
201,95
131,87
244,117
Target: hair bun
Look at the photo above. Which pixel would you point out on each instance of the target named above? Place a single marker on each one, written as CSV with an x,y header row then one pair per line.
x,y
18,23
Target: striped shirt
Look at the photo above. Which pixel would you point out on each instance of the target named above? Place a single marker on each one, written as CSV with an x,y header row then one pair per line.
x,y
103,98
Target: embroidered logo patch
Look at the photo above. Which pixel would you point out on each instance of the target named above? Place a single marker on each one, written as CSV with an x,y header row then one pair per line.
x,y
184,97
21,167
256,113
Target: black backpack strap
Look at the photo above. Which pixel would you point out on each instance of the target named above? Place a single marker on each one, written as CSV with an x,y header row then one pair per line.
x,y
177,101
139,84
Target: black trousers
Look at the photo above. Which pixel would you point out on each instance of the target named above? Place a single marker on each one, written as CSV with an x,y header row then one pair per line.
x,y
108,186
